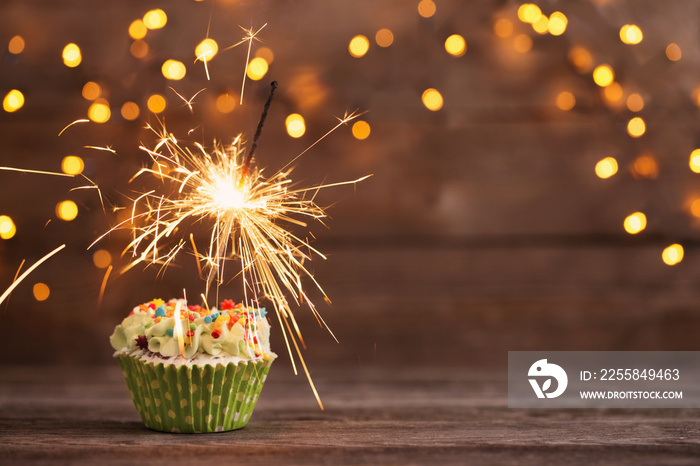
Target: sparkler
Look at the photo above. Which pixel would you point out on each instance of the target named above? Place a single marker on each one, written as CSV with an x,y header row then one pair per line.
x,y
249,217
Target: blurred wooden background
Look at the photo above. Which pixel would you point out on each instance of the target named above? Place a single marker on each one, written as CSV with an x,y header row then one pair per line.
x,y
484,228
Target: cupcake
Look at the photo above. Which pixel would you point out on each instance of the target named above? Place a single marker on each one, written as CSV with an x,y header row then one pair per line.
x,y
191,369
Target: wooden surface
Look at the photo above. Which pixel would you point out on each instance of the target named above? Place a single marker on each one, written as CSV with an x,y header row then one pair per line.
x,y
373,416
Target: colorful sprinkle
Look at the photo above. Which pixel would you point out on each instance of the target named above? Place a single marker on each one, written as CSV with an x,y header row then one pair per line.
x,y
216,334
207,319
170,332
160,312
193,326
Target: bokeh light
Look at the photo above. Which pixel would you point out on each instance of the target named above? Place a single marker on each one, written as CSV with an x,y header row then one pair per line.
x,y
91,90
581,58
672,254
130,111
456,45
606,167
361,130
139,49
636,127
694,208
265,53
72,165
16,45
557,23
13,101
529,12
225,103
384,37
613,93
631,34
541,24
295,125
174,70
635,102
634,223
522,43
432,99
66,210
7,227
645,167
71,55
156,103
155,19
603,75
102,259
137,29
358,47
565,100
673,52
426,8
695,161
99,111
503,28
206,50
257,68
41,291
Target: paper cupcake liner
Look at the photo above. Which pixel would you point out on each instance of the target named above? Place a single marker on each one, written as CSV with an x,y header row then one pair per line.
x,y
194,399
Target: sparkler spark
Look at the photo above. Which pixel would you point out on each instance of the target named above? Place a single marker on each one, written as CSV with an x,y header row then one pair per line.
x,y
249,217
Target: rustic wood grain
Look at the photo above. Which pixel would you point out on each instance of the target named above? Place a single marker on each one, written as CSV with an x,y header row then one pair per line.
x,y
419,415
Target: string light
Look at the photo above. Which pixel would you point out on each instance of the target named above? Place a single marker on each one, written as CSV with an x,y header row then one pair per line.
x,y
426,8
66,210
7,227
557,23
631,34
13,101
384,37
636,127
72,165
91,90
174,70
99,111
137,29
295,125
672,254
16,45
503,28
635,102
225,103
130,111
606,167
361,130
257,68
673,52
432,99
634,223
155,19
603,75
156,103
71,55
565,100
522,43
41,291
695,161
456,45
102,259
358,47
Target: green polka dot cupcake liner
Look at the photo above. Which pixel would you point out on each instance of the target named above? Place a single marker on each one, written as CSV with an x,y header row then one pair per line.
x,y
194,399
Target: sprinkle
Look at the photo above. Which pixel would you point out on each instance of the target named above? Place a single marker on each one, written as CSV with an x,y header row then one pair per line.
x,y
148,324
193,326
160,312
216,334
227,304
191,317
215,315
207,319
157,319
169,332
190,333
221,320
262,311
142,342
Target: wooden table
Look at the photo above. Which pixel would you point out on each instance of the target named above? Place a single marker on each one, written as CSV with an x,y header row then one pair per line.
x,y
83,415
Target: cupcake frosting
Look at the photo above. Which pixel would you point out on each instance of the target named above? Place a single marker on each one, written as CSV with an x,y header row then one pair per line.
x,y
232,332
